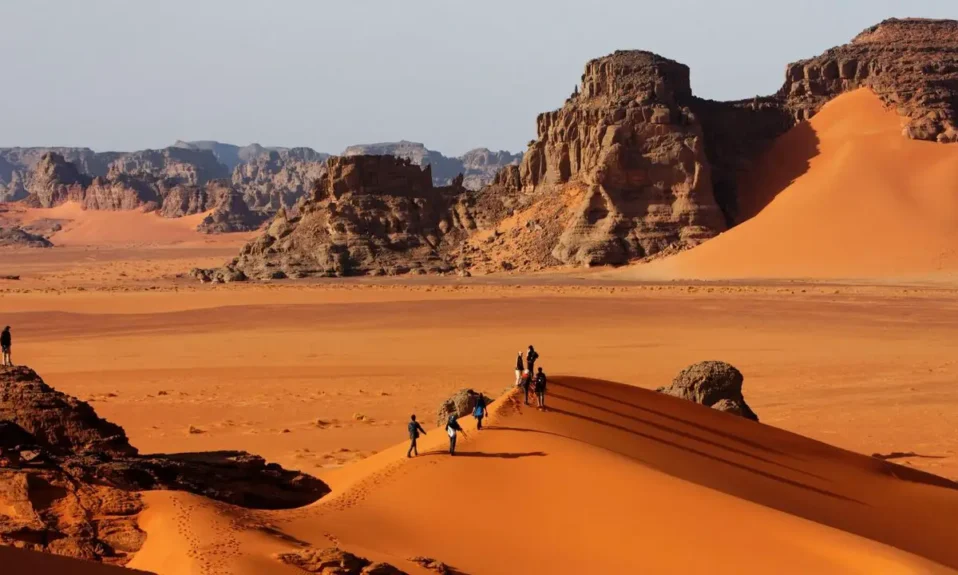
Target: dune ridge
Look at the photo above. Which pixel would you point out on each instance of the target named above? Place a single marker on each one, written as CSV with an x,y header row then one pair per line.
x,y
611,479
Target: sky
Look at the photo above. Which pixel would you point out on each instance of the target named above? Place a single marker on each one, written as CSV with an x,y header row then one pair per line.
x,y
455,75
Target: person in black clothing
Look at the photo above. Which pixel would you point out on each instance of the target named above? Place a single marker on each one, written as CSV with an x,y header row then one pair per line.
x,y
480,411
519,368
541,389
531,358
526,377
414,430
452,427
5,342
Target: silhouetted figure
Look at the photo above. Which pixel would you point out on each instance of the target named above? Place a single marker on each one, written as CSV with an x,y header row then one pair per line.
x,y
452,428
541,389
414,430
6,342
480,411
531,358
519,368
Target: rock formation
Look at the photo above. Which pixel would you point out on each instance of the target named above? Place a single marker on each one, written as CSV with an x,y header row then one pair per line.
x,y
334,561
278,179
367,215
56,181
713,384
68,479
911,64
462,403
478,167
231,214
16,236
172,165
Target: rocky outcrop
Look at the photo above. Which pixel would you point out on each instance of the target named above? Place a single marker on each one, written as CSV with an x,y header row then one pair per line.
x,y
478,167
231,215
56,181
713,384
172,165
18,237
366,215
278,179
461,404
184,200
335,561
912,65
68,479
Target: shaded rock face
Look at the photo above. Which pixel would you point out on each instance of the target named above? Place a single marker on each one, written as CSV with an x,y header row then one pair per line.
x,y
713,384
231,215
172,165
18,237
184,200
911,64
367,215
334,561
56,181
478,167
461,404
68,479
17,166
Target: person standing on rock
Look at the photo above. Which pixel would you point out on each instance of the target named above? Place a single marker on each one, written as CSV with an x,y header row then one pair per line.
x,y
6,341
414,430
531,358
519,369
452,428
541,389
480,411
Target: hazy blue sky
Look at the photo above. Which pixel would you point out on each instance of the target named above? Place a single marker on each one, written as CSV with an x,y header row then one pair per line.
x,y
129,74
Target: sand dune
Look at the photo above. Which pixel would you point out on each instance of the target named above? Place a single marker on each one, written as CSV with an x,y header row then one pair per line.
x,y
18,561
127,227
613,479
843,196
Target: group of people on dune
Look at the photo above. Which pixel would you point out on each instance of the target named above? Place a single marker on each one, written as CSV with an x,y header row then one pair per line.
x,y
526,377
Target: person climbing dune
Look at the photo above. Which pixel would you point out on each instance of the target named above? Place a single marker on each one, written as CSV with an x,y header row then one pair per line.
x,y
480,411
414,430
452,428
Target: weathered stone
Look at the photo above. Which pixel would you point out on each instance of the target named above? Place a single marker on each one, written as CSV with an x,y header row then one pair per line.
x,y
462,403
712,384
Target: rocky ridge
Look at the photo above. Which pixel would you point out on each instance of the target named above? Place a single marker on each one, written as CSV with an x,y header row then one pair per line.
x,y
68,479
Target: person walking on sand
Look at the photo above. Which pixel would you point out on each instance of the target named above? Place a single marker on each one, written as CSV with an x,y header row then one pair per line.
x,y
480,411
414,430
519,369
541,389
452,428
6,341
531,358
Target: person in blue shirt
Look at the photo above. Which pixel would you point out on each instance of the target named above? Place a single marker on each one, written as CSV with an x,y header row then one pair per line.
x,y
480,411
414,431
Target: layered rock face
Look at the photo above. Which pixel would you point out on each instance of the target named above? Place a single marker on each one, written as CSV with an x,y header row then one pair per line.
x,y
478,167
17,166
231,214
56,181
69,479
912,65
172,165
367,215
18,237
278,179
630,155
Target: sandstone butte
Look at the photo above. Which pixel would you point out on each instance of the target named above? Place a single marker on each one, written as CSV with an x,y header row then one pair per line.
x,y
632,167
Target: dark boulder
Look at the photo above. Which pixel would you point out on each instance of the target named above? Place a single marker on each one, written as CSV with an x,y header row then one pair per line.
x,y
714,384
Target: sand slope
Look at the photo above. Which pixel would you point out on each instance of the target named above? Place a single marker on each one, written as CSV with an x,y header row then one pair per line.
x,y
847,197
613,479
18,561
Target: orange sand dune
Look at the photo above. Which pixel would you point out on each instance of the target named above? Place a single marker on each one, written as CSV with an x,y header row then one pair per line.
x,y
613,479
134,227
871,204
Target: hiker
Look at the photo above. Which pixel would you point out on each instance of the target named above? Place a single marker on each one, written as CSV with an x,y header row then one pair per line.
x,y
519,369
541,389
414,430
531,358
5,343
452,426
480,411
526,376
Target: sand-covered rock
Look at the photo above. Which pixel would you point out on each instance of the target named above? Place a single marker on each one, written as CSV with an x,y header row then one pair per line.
x,y
713,384
19,237
335,561
462,403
